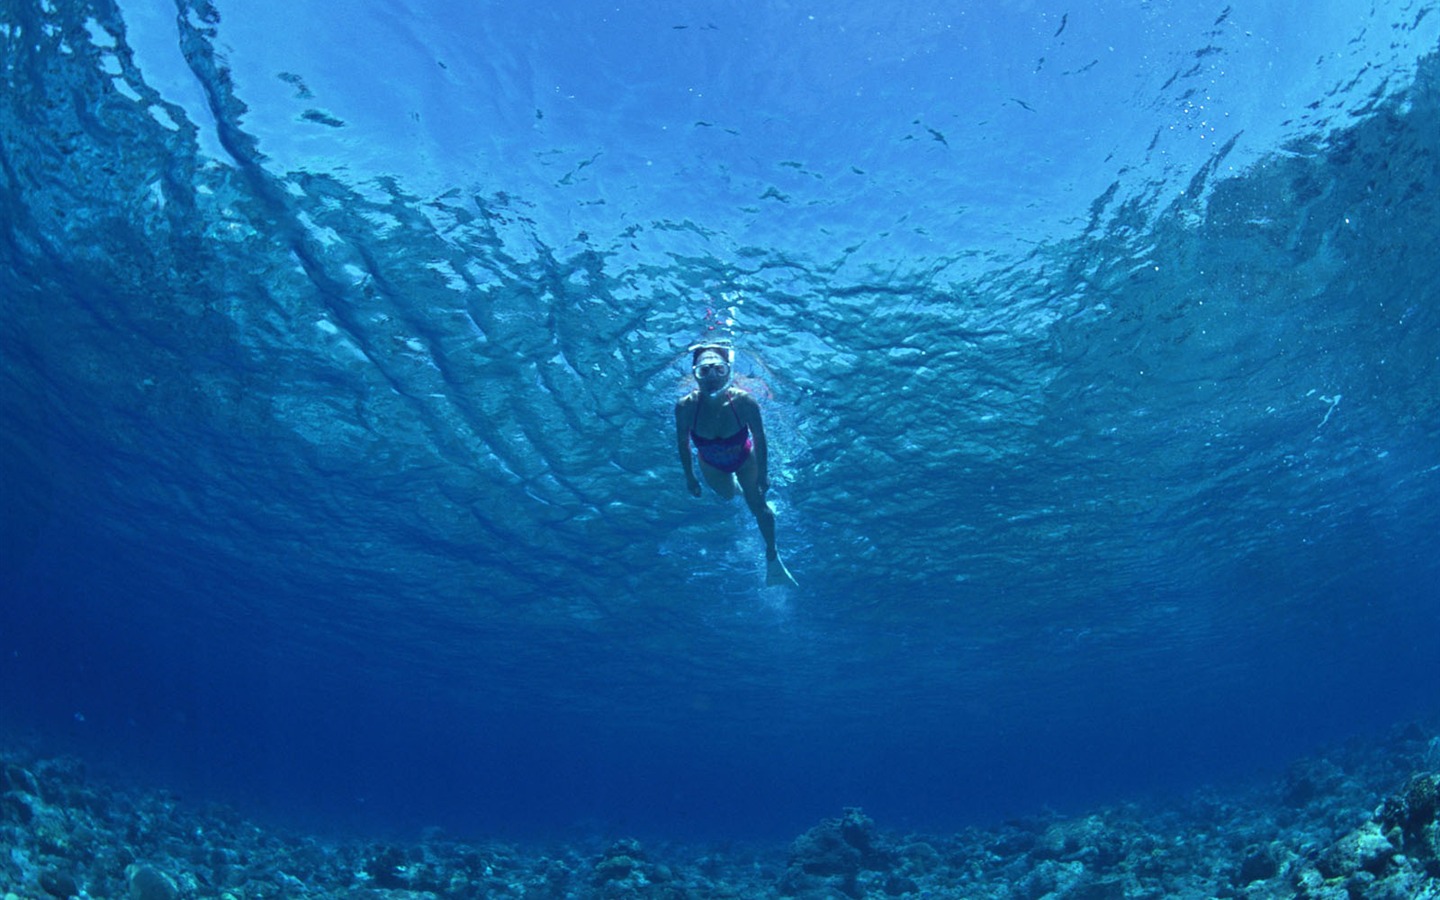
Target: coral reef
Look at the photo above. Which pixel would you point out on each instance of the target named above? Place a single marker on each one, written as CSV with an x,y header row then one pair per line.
x,y
834,855
1362,821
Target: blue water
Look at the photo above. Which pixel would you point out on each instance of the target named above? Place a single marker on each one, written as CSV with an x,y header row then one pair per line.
x,y
1099,348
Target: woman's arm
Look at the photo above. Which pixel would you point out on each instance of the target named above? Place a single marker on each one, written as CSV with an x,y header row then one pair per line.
x,y
682,444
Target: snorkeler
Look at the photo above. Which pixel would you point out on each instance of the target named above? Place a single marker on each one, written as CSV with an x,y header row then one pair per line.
x,y
724,424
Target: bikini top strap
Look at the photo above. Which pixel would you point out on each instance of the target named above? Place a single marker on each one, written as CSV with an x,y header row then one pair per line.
x,y
729,401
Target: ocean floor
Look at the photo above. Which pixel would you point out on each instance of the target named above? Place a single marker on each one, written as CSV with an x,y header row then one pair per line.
x,y
1358,821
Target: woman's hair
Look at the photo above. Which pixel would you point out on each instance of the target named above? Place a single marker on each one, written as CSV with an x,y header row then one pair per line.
x,y
701,349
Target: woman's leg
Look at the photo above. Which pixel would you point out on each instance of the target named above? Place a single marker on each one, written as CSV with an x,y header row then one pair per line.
x,y
722,483
749,476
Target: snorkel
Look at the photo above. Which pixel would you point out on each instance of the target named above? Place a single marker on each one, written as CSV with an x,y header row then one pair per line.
x,y
711,365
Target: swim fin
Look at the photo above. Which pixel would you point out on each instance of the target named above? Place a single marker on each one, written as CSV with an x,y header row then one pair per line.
x,y
776,575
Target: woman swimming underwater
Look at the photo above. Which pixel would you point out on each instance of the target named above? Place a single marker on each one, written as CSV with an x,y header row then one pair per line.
x,y
724,424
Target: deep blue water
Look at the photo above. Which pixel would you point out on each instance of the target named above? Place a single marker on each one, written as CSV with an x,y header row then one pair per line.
x,y
1099,348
